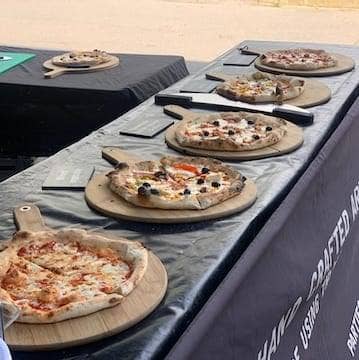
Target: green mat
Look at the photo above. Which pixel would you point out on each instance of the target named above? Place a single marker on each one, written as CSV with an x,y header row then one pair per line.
x,y
16,59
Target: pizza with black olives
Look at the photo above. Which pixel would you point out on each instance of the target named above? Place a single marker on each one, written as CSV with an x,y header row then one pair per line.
x,y
230,131
176,182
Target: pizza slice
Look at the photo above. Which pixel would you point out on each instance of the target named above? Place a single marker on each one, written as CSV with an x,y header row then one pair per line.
x,y
176,183
261,87
45,297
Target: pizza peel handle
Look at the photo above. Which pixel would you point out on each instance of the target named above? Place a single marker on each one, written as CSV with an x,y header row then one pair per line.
x,y
54,73
28,217
219,76
179,112
114,155
245,50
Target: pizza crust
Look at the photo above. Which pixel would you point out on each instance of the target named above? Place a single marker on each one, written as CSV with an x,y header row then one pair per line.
x,y
227,143
132,252
72,310
270,88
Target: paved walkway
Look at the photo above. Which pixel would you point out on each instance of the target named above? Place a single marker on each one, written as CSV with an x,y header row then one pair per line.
x,y
198,29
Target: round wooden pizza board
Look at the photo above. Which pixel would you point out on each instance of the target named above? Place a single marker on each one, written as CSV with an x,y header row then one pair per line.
x,y
315,92
99,196
57,70
135,307
290,142
345,64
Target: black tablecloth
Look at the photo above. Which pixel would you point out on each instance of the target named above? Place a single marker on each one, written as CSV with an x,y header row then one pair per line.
x,y
40,116
197,256
294,293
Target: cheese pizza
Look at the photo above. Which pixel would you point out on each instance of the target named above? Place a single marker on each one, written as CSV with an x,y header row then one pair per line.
x,y
176,182
261,87
230,131
298,59
52,276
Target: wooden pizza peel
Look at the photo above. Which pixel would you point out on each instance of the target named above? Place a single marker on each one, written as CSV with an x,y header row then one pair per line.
x,y
99,196
56,70
135,307
344,64
315,92
291,141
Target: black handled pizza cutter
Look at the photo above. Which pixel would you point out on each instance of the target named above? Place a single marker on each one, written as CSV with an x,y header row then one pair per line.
x,y
219,103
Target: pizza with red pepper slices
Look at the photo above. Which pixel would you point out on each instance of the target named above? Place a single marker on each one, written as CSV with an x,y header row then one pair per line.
x,y
261,87
57,275
176,182
298,59
230,131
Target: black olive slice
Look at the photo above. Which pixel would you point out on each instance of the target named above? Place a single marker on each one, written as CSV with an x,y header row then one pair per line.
x,y
154,192
216,123
200,181
143,191
205,170
231,132
255,137
187,192
216,184
269,128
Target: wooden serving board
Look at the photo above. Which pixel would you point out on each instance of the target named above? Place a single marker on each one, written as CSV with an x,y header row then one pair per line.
x,y
345,64
99,196
136,306
315,92
290,142
57,70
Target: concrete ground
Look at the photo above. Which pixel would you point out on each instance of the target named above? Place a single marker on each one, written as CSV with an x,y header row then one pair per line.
x,y
197,29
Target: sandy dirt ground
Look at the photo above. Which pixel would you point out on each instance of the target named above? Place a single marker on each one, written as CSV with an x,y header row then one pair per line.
x,y
197,29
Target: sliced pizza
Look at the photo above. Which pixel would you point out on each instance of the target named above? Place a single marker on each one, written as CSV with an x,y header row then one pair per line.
x,y
230,131
56,275
261,87
298,59
176,182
